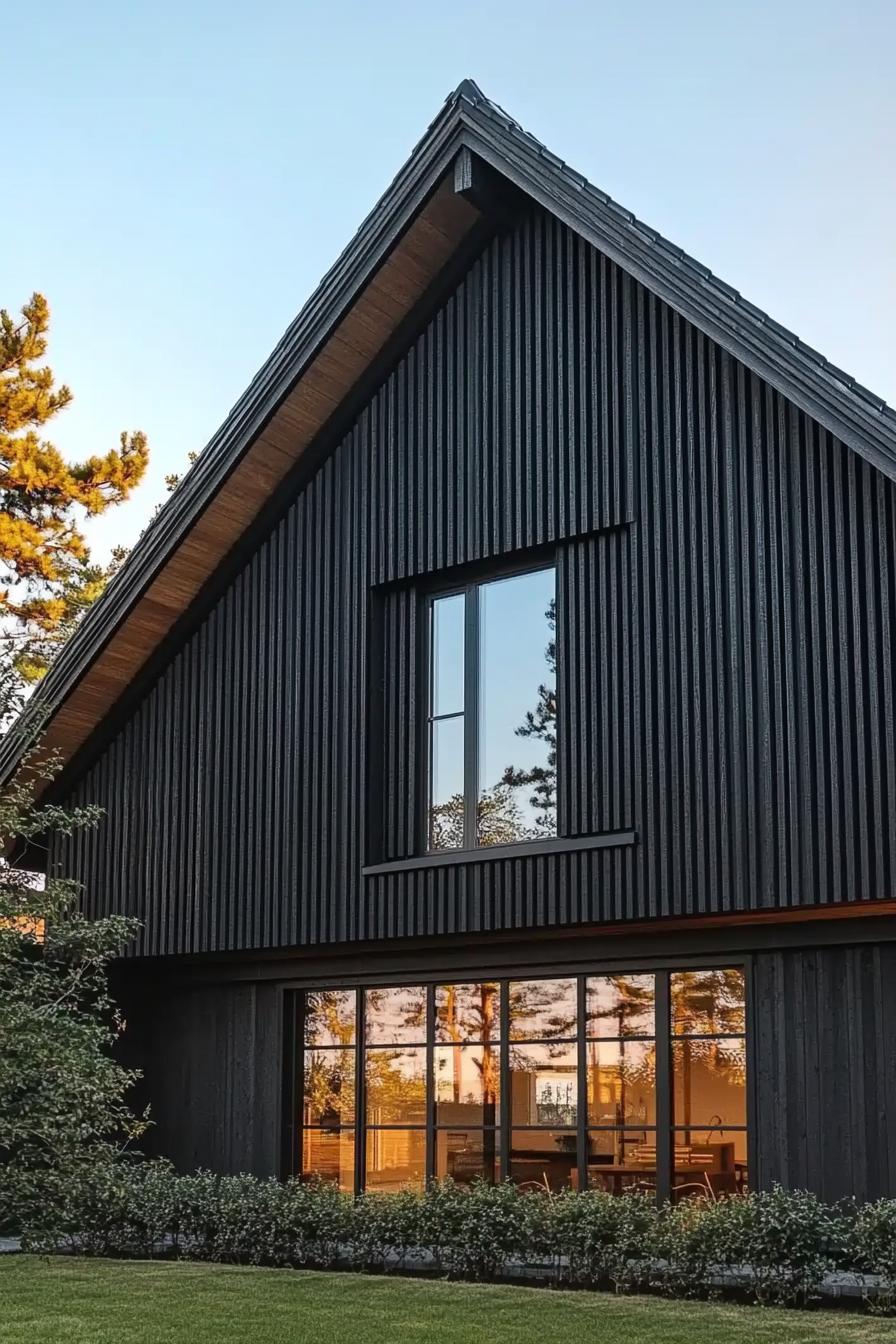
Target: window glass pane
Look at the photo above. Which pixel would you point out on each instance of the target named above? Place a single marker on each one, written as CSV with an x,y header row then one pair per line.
x,y
621,1082
464,1154
707,1002
622,1159
330,1155
329,1087
446,792
396,1085
543,1158
710,1162
709,1080
543,1084
620,1005
517,709
396,1158
448,655
466,1084
468,1012
542,1009
330,1017
395,1015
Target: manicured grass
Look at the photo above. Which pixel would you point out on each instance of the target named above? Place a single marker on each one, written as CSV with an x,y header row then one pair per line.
x,y
113,1302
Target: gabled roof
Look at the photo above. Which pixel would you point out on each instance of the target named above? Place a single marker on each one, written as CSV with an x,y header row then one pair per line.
x,y
425,217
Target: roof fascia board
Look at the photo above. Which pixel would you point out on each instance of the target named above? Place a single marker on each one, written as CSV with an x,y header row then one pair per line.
x,y
753,340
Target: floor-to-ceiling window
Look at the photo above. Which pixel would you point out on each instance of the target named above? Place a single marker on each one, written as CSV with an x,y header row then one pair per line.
x,y
613,1080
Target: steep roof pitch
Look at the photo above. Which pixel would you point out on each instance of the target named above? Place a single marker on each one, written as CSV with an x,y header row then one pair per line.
x,y
425,216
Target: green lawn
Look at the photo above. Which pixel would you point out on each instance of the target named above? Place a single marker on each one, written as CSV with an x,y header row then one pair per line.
x,y
65,1301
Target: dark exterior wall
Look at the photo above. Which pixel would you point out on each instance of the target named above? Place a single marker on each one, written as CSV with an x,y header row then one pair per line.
x,y
726,611
212,1063
824,1054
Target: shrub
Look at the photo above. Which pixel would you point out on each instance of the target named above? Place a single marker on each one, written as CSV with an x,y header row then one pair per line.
x,y
777,1245
603,1239
872,1250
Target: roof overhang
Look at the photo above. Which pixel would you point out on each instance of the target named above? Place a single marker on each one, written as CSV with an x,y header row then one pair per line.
x,y
433,207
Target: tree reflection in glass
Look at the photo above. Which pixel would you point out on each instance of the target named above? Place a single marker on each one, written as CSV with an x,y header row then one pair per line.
x,y
620,1005
518,707
330,1016
395,1015
709,1053
708,1002
329,1087
543,1010
513,664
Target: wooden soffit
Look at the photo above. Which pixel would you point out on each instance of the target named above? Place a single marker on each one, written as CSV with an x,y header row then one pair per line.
x,y
414,262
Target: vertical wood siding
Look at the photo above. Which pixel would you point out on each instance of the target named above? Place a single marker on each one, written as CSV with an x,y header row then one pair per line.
x,y
825,1059
726,617
212,1062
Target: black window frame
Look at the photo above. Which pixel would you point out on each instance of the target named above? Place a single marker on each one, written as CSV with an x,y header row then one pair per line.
x,y
665,1127
469,588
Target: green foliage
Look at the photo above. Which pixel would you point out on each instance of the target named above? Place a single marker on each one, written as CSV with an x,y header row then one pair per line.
x,y
63,1097
871,1247
776,1246
47,578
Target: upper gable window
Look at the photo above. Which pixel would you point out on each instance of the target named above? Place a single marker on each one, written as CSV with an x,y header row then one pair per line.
x,y
492,713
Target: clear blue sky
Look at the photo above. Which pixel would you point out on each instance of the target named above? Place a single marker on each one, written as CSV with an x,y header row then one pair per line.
x,y
178,176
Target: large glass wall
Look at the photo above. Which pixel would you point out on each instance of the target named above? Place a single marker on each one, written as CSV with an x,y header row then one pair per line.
x,y
615,1081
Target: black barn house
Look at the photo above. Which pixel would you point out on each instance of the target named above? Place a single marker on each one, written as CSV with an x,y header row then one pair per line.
x,y
497,728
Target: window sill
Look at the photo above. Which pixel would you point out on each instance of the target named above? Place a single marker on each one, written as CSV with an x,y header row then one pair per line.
x,y
525,849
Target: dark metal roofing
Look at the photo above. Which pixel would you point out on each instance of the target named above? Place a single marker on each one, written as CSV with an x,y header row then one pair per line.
x,y
836,400
856,415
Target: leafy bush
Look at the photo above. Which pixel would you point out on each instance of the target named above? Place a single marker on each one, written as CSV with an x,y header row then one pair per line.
x,y
872,1250
602,1239
775,1245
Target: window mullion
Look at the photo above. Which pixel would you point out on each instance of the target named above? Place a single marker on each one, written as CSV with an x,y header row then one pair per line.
x,y
430,1083
664,1135
471,716
360,1096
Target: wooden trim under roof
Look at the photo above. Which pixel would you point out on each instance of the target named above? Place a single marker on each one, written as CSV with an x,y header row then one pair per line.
x,y
422,251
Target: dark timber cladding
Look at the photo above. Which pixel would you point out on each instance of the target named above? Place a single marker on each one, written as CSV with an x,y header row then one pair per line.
x,y
821,1066
726,617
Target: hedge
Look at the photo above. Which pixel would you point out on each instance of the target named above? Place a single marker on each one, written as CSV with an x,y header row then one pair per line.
x,y
777,1245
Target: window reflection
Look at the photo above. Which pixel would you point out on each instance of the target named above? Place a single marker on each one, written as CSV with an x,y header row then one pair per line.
x,y
620,1005
446,813
542,1009
468,1012
518,709
621,1082
330,1016
622,1159
395,1015
466,1084
707,1002
544,1084
709,1162
395,1085
396,1159
466,1076
709,1081
465,1154
447,634
543,1158
329,1155
329,1087
511,661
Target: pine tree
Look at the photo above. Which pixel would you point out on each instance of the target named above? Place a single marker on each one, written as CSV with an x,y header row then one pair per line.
x,y
47,578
